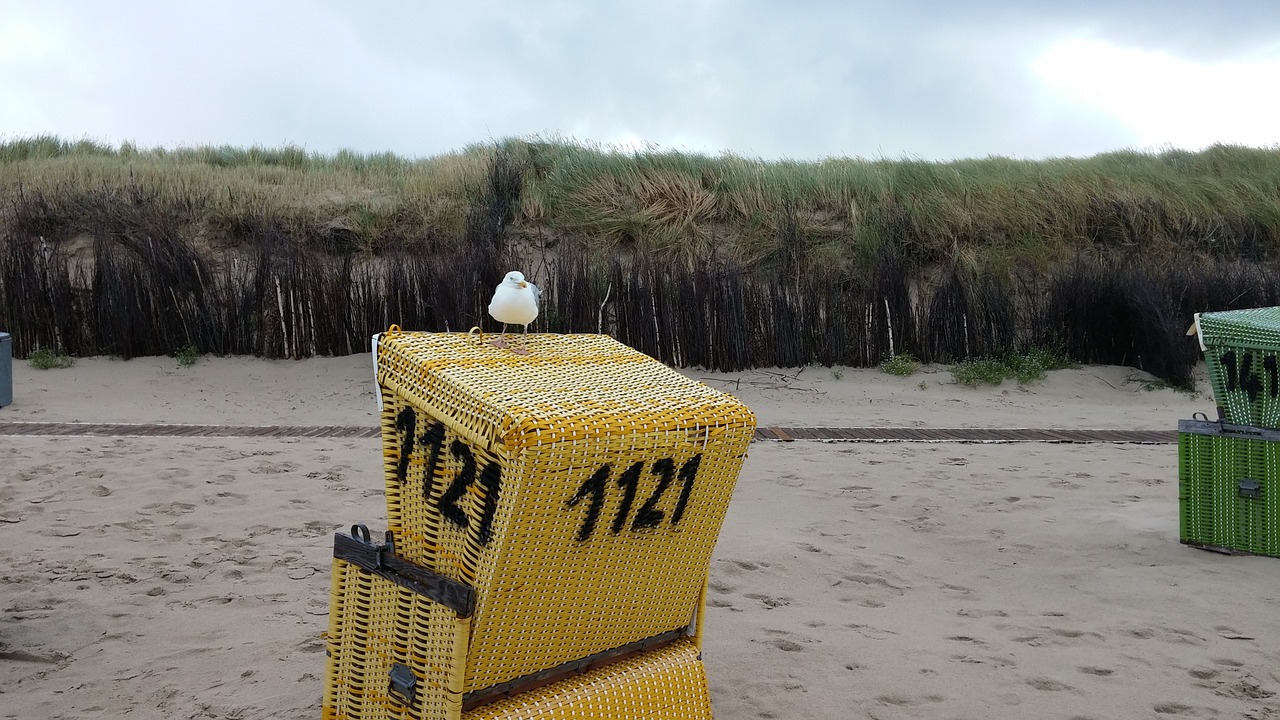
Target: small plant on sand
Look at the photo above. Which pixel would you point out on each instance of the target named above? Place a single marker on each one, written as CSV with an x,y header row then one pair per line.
x,y
1158,384
924,385
901,364
45,359
837,374
980,372
1035,363
188,355
1024,368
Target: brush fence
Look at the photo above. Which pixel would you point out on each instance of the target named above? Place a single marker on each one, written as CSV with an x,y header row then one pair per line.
x,y
551,522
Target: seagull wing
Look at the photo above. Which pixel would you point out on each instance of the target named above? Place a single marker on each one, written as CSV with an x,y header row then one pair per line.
x,y
537,292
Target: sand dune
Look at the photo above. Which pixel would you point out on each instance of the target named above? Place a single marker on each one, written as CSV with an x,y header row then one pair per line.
x,y
188,578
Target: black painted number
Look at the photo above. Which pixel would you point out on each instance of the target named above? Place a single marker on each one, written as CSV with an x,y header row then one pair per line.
x,y
449,501
406,423
1241,374
433,439
489,478
594,490
649,515
629,481
595,487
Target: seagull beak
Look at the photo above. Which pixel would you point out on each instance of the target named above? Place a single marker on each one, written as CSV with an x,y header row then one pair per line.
x,y
524,285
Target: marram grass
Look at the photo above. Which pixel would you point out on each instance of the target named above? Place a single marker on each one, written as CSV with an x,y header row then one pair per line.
x,y
1219,201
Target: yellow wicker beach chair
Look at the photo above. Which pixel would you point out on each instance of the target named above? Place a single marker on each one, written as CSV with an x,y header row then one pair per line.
x,y
551,522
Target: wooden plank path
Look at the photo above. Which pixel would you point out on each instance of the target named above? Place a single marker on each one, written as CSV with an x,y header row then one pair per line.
x,y
53,429
784,434
964,435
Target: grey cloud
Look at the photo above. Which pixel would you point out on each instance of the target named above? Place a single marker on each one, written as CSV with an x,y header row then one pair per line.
x,y
804,80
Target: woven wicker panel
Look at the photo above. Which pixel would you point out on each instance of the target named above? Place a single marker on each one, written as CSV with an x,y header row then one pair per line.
x,y
665,684
1252,328
1246,384
579,489
373,624
1241,348
1214,509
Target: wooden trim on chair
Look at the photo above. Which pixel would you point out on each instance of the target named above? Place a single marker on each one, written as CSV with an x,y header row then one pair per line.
x,y
484,696
382,561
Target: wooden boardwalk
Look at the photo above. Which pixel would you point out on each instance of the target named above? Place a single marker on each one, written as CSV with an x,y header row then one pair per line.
x,y
783,434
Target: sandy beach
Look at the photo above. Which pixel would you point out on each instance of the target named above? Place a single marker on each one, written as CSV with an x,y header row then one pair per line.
x,y
169,577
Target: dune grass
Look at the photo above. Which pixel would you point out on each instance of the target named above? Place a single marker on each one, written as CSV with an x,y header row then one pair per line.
x,y
785,214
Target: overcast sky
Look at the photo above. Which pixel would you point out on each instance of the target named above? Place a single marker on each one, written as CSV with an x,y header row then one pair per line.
x,y
800,79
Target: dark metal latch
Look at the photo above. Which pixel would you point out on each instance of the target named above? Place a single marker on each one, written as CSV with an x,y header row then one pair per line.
x,y
404,684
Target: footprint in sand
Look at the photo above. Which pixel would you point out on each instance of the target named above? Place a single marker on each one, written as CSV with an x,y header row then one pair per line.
x,y
1048,684
721,603
789,480
986,660
875,582
768,601
175,508
1172,708
1170,635
807,547
786,641
1244,688
226,498
972,613
869,632
909,701
273,468
734,568
1057,636
721,587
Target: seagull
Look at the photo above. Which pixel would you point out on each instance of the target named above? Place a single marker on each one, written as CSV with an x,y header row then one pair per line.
x,y
515,302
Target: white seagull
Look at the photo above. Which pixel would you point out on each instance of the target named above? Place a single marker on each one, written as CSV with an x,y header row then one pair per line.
x,y
515,302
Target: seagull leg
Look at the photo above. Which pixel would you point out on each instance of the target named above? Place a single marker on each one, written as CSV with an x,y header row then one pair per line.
x,y
501,342
524,343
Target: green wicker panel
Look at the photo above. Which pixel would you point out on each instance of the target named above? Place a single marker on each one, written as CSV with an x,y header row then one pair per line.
x,y
1246,384
1241,348
1257,328
1218,504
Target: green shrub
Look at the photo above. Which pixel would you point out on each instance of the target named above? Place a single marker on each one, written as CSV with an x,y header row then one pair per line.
x,y
981,372
1024,368
188,355
45,359
901,364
